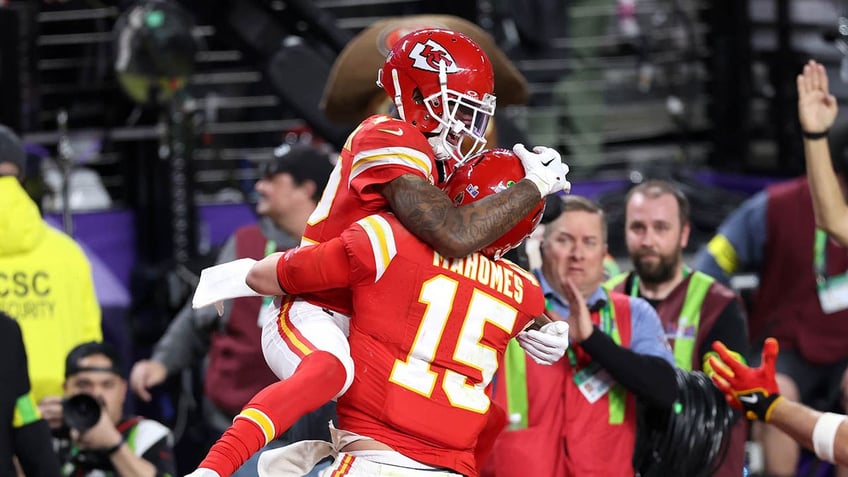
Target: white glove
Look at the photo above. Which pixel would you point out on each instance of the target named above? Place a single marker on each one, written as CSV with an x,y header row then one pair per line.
x,y
546,345
201,472
544,168
223,282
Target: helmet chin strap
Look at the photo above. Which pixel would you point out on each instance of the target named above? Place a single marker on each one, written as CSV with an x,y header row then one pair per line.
x,y
398,99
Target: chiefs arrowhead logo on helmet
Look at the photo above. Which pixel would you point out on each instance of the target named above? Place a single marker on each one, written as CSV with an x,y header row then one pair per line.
x,y
429,55
441,83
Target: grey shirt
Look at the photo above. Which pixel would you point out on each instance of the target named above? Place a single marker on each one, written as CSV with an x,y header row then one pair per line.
x,y
186,341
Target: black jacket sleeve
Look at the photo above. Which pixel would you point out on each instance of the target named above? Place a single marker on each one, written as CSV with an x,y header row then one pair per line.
x,y
31,441
731,328
648,377
34,449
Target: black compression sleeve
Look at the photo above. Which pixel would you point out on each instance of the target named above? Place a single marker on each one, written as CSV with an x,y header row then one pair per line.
x,y
648,377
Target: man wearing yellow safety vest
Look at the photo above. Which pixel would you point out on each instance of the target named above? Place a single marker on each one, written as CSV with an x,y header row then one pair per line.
x,y
577,417
695,310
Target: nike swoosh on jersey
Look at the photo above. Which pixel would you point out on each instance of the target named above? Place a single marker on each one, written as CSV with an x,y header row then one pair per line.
x,y
544,163
749,399
396,132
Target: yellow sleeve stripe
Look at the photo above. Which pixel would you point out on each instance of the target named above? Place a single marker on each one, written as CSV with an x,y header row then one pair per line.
x,y
382,242
260,419
403,156
724,254
26,411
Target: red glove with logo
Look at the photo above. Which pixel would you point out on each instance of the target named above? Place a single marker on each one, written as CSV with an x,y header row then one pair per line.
x,y
752,390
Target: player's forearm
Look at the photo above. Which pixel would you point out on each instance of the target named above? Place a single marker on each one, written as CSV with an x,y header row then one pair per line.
x,y
457,231
315,268
263,276
480,223
831,212
798,421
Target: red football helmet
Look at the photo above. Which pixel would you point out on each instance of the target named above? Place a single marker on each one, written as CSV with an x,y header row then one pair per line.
x,y
441,82
489,172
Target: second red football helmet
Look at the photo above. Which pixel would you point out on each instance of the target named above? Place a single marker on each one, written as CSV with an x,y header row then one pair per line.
x,y
441,82
487,173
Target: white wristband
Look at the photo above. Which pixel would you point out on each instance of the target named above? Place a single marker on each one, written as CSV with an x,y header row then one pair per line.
x,y
824,434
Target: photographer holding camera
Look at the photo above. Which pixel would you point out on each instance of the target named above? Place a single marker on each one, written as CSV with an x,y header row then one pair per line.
x,y
96,439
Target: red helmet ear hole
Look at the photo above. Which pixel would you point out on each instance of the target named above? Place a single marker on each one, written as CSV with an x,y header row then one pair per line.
x,y
417,96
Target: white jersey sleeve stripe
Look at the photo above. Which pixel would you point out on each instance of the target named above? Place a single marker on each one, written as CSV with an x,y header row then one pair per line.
x,y
382,242
403,156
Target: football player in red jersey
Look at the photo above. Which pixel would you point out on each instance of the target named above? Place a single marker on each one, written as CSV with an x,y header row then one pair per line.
x,y
441,84
426,334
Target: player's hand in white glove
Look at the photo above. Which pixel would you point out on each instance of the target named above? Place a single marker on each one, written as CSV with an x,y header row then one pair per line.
x,y
543,167
201,472
548,344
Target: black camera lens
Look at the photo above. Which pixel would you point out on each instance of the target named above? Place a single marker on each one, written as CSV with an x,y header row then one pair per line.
x,y
81,412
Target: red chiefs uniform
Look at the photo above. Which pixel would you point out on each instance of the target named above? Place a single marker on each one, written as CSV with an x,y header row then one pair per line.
x,y
380,150
426,336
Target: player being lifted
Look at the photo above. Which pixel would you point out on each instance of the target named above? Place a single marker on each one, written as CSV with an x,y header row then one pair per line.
x,y
426,334
441,84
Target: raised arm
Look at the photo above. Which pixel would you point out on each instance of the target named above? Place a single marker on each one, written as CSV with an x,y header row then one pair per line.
x,y
817,110
458,231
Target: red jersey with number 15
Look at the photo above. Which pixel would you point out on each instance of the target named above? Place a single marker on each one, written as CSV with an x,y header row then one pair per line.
x,y
426,336
378,151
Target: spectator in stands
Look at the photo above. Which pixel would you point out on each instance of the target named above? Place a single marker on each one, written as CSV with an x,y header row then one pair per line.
x,y
695,310
289,190
561,415
45,284
110,444
802,297
817,110
25,435
12,154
